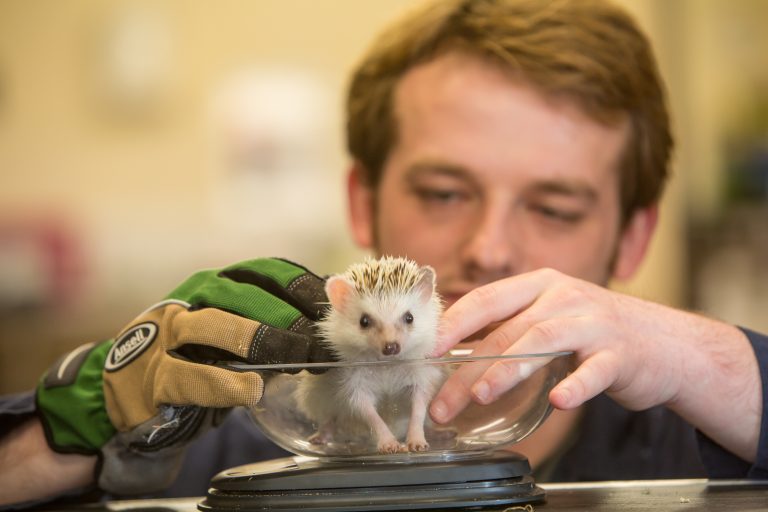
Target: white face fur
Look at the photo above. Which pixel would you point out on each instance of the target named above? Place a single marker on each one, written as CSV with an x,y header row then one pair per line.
x,y
364,326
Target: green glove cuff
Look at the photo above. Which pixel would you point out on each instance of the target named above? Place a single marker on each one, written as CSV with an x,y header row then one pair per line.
x,y
70,401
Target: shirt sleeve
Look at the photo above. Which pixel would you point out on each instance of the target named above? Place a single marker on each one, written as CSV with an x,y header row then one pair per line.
x,y
237,441
719,462
14,409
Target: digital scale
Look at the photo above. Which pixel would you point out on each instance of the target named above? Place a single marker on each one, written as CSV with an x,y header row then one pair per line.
x,y
308,484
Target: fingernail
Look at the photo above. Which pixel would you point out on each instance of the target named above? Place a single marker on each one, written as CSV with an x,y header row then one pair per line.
x,y
482,391
438,411
565,395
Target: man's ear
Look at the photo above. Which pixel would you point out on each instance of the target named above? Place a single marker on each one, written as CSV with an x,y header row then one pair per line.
x,y
634,241
360,201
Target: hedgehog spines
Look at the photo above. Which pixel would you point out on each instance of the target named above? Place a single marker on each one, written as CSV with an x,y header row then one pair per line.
x,y
384,276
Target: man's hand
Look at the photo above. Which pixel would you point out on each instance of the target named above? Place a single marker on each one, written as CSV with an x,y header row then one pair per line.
x,y
643,354
138,400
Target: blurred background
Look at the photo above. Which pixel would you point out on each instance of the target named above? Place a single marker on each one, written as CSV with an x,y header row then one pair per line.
x,y
143,140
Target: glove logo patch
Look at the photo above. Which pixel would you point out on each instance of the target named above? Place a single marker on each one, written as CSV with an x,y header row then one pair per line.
x,y
130,345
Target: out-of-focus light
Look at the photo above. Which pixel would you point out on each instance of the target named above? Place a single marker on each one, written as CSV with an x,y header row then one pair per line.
x,y
134,58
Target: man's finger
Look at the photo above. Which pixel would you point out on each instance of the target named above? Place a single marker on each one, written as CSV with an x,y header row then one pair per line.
x,y
487,304
290,282
485,382
455,394
591,378
207,289
458,391
210,327
544,337
181,382
505,374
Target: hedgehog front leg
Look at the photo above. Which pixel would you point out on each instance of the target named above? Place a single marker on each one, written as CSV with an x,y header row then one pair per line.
x,y
386,442
424,383
416,440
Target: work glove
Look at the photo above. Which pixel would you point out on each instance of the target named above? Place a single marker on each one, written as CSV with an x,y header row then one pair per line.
x,y
137,400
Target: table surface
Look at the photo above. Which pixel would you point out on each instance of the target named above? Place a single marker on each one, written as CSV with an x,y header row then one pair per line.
x,y
624,496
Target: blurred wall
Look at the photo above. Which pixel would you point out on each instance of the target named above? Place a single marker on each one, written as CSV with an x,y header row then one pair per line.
x,y
125,137
140,141
722,75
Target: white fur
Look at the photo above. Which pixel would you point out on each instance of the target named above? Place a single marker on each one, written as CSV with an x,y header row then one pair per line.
x,y
352,397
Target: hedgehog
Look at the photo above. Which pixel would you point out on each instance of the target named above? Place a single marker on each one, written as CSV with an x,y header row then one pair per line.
x,y
383,309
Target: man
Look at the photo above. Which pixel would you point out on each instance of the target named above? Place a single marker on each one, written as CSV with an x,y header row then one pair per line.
x,y
518,147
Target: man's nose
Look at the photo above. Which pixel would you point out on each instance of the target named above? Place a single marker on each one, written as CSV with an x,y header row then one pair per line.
x,y
491,249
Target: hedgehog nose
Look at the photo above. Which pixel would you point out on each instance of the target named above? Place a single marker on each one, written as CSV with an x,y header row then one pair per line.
x,y
391,348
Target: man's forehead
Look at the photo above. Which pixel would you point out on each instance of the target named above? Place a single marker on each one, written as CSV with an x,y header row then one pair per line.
x,y
458,115
458,70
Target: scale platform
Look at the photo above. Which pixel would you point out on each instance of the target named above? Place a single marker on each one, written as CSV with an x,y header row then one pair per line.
x,y
313,485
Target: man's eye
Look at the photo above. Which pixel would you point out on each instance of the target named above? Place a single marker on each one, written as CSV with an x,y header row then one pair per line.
x,y
558,214
436,195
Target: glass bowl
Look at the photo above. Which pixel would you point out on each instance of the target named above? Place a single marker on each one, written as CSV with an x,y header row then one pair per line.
x,y
285,413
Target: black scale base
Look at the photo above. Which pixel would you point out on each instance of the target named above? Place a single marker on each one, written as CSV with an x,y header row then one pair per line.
x,y
309,485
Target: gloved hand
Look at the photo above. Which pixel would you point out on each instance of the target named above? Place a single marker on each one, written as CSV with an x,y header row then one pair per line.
x,y
139,399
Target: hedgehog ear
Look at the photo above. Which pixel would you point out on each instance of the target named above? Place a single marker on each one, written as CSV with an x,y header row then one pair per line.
x,y
338,290
425,286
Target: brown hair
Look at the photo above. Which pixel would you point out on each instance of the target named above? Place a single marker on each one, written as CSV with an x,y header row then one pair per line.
x,y
589,51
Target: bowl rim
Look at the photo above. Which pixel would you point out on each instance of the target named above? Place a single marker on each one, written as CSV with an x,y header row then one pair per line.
x,y
394,362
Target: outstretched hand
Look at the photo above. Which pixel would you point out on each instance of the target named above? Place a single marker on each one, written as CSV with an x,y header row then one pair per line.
x,y
641,353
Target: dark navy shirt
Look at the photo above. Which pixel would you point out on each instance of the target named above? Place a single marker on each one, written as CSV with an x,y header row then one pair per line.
x,y
610,443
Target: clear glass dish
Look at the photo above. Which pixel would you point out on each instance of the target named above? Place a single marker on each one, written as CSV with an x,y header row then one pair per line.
x,y
282,412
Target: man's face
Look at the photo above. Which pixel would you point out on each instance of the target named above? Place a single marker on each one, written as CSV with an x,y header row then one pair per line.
x,y
488,179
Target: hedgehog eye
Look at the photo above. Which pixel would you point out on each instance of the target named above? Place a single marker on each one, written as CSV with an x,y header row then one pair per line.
x,y
365,321
408,317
